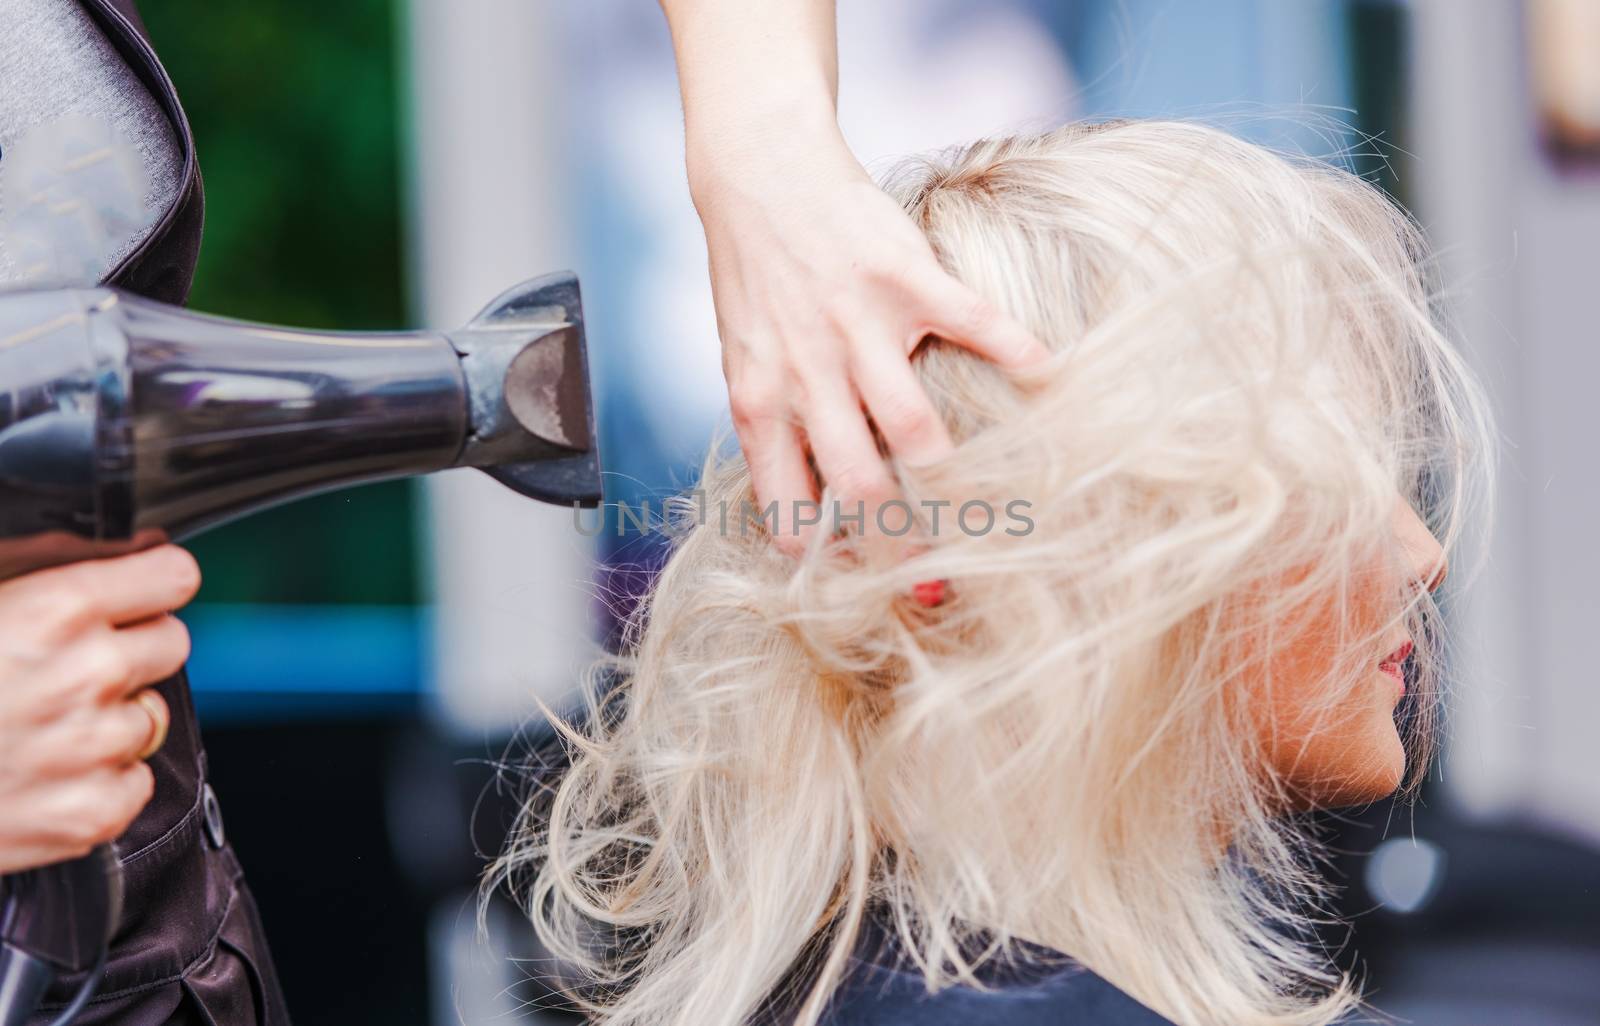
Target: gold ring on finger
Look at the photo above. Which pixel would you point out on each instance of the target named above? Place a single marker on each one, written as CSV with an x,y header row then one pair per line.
x,y
160,720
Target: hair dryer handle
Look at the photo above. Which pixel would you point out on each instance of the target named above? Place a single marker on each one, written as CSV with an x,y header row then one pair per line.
x,y
55,920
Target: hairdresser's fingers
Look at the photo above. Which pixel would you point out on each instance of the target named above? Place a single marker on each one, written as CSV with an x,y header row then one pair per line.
x,y
775,453
773,444
107,666
847,457
112,735
64,601
147,652
900,406
96,809
956,313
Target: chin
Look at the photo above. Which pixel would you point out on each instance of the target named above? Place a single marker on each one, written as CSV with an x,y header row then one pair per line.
x,y
1380,785
1356,769
1373,777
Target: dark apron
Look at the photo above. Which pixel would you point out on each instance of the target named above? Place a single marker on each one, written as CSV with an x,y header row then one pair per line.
x,y
190,949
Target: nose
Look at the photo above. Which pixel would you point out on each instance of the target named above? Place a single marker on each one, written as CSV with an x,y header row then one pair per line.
x,y
1427,559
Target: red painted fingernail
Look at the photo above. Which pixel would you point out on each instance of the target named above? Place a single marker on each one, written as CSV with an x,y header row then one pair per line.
x,y
929,593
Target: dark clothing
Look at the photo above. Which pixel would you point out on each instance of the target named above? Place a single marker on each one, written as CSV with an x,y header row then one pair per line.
x,y
1031,986
190,950
163,267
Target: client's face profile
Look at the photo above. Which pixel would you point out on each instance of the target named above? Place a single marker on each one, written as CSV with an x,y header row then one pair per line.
x,y
1348,752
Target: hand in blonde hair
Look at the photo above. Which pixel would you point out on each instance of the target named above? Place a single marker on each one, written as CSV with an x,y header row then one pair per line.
x,y
823,289
823,286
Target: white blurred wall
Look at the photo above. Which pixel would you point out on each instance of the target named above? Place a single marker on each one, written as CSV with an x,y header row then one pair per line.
x,y
510,579
490,198
1520,242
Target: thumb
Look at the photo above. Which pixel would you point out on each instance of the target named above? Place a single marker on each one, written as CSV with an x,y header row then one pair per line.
x,y
963,317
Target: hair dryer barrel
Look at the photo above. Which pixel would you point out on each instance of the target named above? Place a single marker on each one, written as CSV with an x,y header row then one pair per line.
x,y
119,415
224,417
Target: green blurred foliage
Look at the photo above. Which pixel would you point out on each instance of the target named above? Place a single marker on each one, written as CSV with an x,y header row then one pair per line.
x,y
295,106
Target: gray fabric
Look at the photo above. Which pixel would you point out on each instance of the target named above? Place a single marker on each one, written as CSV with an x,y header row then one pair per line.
x,y
88,161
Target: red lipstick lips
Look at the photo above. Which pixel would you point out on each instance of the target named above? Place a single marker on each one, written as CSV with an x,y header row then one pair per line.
x,y
1391,664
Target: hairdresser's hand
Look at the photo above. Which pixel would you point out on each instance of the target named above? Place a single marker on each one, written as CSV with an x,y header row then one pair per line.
x,y
823,289
823,286
77,645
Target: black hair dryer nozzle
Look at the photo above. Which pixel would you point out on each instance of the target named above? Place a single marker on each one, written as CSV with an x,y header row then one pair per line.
x,y
119,415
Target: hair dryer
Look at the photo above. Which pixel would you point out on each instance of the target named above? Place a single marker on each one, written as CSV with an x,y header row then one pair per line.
x,y
125,422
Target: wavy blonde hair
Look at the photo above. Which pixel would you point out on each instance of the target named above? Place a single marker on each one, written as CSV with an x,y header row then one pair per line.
x,y
1247,365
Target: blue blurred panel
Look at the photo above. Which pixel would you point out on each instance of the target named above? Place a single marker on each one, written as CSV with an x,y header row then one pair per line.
x,y
1274,72
266,662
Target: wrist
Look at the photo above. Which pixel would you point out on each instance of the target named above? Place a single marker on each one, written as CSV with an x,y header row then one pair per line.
x,y
729,142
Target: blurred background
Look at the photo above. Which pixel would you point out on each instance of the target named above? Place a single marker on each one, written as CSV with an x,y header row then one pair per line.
x,y
363,659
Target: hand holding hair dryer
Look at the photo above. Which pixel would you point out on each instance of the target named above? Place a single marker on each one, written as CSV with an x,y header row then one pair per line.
x,y
124,422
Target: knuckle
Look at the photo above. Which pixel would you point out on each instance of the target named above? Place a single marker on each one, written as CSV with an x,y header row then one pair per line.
x,y
112,736
904,416
56,701
104,827
103,666
974,314
862,482
883,265
61,606
751,402
83,820
102,813
73,844
789,544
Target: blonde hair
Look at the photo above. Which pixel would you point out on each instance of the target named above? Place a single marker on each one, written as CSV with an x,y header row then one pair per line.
x,y
1247,365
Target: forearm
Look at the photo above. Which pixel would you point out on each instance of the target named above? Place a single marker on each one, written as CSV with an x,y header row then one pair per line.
x,y
749,71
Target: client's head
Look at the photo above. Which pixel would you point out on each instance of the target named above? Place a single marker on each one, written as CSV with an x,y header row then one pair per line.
x,y
1183,556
